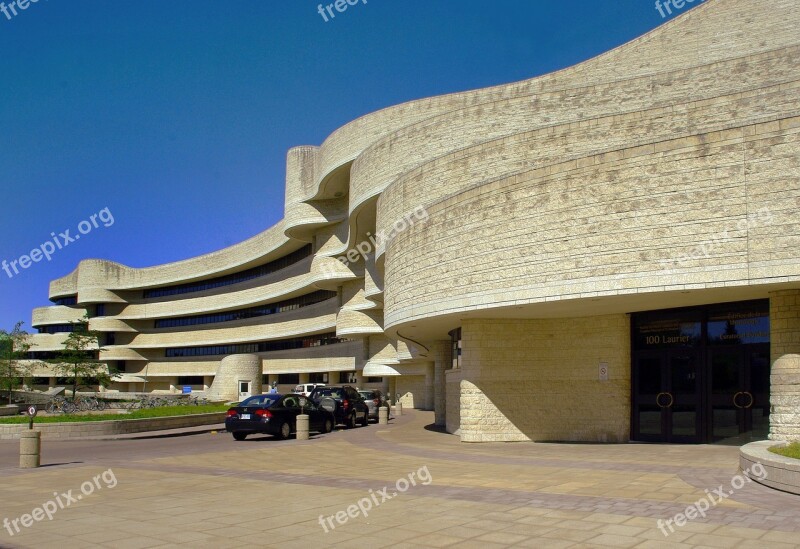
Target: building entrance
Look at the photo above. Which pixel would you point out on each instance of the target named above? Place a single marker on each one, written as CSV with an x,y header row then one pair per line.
x,y
701,374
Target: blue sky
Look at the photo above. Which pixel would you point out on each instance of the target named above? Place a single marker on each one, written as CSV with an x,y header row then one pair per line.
x,y
176,116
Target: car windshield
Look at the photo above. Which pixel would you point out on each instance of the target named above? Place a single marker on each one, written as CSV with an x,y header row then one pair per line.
x,y
366,394
260,400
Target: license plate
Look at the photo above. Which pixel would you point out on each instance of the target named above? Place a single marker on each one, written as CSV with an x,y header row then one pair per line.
x,y
245,416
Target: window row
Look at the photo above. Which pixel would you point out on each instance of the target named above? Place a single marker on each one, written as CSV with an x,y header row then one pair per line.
x,y
252,312
57,328
235,278
263,347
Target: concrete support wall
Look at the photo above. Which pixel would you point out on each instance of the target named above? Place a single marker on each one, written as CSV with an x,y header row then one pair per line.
x,y
539,379
453,400
412,391
440,353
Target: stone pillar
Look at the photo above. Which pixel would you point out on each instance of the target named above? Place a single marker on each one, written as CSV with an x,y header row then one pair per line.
x,y
29,449
784,320
784,419
304,378
429,387
51,381
383,415
392,388
302,427
440,352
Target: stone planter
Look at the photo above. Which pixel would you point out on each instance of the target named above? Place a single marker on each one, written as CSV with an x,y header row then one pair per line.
x,y
11,410
783,473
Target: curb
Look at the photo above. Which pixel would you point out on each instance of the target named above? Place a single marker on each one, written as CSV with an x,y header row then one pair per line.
x,y
783,473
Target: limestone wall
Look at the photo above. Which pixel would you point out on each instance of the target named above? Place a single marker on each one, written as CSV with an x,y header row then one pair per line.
x,y
539,379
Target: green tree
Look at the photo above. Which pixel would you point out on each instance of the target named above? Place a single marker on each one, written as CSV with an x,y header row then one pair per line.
x,y
14,346
78,361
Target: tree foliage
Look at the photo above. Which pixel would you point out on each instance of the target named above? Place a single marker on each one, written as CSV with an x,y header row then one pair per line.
x,y
78,361
14,367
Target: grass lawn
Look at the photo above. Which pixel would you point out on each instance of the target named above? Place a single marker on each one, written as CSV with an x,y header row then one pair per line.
x,y
164,411
792,451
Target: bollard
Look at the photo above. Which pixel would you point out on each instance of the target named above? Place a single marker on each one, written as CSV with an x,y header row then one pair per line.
x,y
29,449
398,409
383,415
302,427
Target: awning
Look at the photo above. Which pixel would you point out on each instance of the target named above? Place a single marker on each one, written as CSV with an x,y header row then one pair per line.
x,y
373,369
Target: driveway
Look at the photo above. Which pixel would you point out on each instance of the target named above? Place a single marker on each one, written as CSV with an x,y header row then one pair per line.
x,y
402,485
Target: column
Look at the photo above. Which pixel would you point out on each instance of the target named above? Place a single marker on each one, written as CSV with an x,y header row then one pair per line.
x,y
784,320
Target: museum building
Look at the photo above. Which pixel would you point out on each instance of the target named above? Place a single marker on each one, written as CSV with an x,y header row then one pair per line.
x,y
609,252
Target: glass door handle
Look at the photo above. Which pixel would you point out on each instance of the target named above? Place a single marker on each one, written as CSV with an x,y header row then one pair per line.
x,y
658,400
743,394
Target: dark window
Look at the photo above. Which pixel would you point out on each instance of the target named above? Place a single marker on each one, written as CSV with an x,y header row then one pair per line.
x,y
71,300
347,377
54,355
373,379
455,348
100,309
57,329
190,380
251,312
227,280
263,347
724,324
318,377
111,338
288,379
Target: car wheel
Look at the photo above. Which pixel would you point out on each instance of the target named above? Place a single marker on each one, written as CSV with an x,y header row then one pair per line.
x,y
366,420
286,430
351,421
240,436
328,427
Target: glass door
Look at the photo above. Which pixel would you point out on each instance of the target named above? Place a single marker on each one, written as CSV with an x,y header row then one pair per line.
x,y
667,396
739,388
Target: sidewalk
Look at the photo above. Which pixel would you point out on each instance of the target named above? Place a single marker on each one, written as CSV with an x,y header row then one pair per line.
x,y
300,494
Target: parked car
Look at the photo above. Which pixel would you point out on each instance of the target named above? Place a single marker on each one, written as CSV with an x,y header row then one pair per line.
x,y
275,414
374,400
306,388
348,407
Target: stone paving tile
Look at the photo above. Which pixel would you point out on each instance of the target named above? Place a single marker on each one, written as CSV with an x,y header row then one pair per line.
x,y
491,495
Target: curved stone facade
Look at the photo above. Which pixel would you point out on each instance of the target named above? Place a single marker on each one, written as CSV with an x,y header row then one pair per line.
x,y
232,371
785,399
533,218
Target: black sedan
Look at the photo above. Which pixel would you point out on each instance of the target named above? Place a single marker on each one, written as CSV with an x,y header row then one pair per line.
x,y
274,414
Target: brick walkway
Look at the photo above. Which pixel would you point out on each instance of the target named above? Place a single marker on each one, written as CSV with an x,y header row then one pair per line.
x,y
272,494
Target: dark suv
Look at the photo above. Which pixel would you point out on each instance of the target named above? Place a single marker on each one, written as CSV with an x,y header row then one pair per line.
x,y
348,407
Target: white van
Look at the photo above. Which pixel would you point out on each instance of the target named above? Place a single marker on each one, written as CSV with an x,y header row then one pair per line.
x,y
306,388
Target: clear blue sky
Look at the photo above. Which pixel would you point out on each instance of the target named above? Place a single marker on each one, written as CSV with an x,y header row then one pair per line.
x,y
177,115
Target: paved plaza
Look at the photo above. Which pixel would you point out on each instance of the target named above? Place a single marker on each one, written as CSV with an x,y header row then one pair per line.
x,y
418,487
